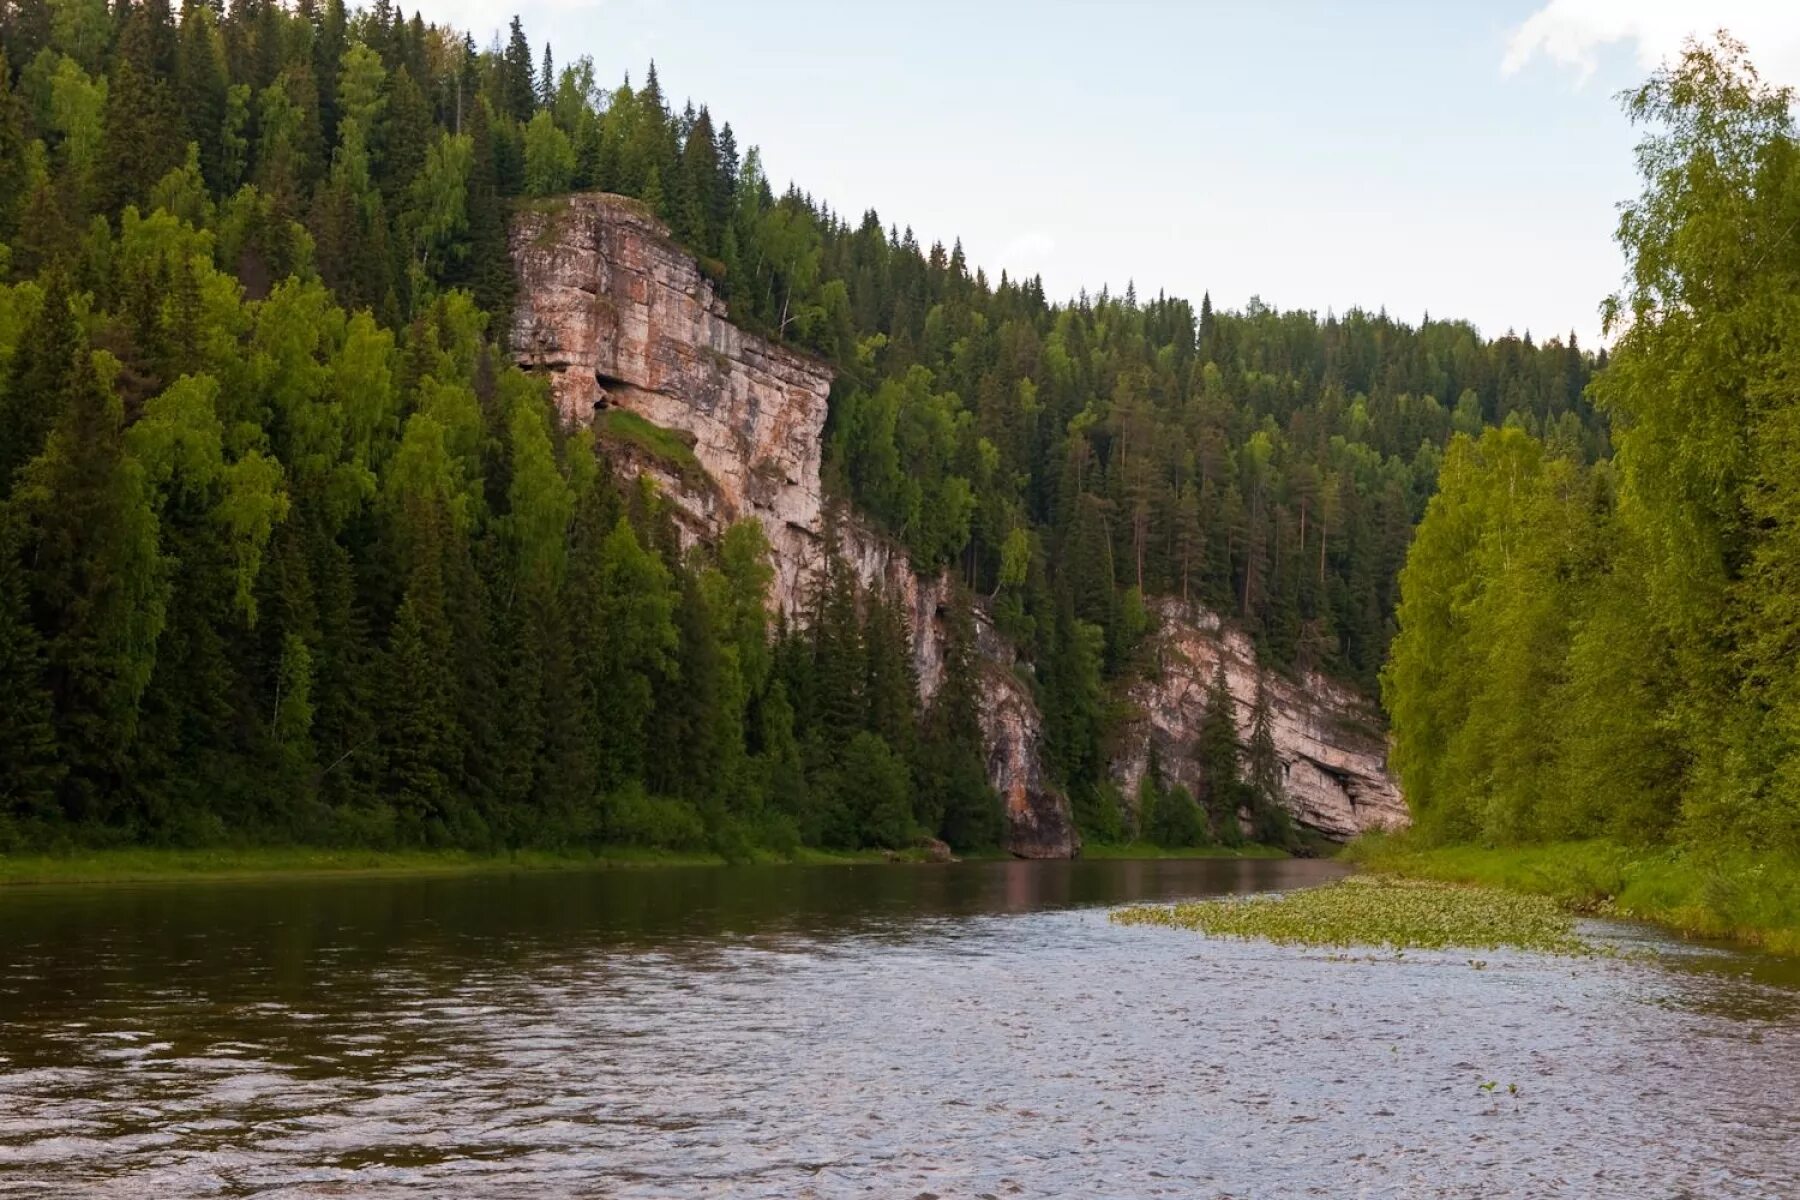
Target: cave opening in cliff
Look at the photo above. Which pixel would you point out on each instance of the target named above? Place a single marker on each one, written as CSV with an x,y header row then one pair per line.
x,y
603,398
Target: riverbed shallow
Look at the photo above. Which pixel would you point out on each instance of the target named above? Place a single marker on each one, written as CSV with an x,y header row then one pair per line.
x,y
962,1030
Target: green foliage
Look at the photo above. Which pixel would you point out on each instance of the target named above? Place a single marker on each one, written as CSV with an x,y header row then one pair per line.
x,y
300,556
1175,819
954,800
29,766
668,447
549,157
876,787
638,640
1610,650
1702,891
636,818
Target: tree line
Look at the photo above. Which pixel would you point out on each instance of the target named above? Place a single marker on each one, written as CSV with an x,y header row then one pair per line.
x,y
1610,648
281,520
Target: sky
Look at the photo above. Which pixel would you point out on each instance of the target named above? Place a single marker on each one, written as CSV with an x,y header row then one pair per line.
x,y
1460,158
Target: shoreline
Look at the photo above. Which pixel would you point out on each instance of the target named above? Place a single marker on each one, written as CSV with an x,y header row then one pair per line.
x,y
254,863
1749,900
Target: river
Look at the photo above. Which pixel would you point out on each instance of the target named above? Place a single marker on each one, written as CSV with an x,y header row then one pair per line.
x,y
971,1030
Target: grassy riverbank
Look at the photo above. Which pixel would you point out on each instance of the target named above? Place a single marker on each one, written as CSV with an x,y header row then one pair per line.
x,y
145,864
1745,898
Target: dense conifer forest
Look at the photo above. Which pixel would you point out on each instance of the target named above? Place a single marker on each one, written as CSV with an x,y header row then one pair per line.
x,y
289,550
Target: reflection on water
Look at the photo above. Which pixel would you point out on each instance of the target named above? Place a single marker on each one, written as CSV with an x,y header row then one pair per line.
x,y
886,1031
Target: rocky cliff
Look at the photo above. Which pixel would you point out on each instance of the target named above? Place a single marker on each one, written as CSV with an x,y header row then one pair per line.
x,y
629,330
1329,738
622,319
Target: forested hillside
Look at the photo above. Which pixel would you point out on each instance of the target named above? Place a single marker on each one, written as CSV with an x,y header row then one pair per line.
x,y
1614,648
292,552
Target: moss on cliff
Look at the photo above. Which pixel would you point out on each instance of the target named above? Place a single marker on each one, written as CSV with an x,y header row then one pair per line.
x,y
671,447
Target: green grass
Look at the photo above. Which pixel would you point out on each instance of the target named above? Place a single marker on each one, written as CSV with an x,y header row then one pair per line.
x,y
1729,895
144,864
1367,910
668,446
1152,850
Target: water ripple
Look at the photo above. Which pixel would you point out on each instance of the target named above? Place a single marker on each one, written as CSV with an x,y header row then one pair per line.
x,y
983,1047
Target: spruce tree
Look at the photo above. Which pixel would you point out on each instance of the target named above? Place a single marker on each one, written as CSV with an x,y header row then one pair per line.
x,y
1268,793
519,86
43,368
890,689
15,179
201,87
1216,753
487,271
142,139
954,797
417,720
97,589
30,765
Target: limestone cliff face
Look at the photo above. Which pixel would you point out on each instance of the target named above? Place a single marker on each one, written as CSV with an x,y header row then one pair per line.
x,y
1329,739
621,317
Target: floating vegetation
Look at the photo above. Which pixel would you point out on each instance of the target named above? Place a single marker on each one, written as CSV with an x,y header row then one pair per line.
x,y
1374,911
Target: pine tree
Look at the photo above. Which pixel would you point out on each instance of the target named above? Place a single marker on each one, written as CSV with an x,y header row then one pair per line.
x,y
839,657
690,715
405,138
875,789
699,190
328,46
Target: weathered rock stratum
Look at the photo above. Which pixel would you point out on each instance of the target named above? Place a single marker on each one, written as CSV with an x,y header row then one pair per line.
x,y
1330,740
622,318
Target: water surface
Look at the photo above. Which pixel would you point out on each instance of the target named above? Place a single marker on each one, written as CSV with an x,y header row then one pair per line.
x,y
965,1030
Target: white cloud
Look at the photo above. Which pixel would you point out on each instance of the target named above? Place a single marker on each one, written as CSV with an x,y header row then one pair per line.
x,y
1571,32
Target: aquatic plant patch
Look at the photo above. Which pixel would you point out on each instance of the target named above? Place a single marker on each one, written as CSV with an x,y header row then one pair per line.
x,y
1372,911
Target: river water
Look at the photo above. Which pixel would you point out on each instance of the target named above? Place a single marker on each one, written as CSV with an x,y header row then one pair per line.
x,y
969,1030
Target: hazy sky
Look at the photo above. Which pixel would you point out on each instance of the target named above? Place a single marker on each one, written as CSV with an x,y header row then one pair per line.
x,y
1457,157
